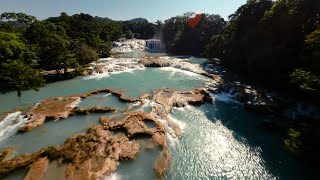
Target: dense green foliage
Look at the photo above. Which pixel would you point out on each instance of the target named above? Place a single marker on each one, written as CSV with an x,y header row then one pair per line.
x,y
276,42
303,142
63,43
180,38
60,43
17,62
138,29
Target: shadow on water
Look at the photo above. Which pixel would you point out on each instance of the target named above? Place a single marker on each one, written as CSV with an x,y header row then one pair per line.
x,y
246,127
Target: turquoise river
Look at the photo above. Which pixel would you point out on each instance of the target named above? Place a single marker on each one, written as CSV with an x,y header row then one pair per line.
x,y
220,140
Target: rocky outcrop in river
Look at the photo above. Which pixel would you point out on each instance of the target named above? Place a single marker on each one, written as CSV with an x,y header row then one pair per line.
x,y
134,125
88,155
94,155
58,108
155,62
53,108
63,107
170,98
253,99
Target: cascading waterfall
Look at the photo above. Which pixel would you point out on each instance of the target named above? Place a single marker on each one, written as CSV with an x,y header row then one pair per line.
x,y
155,45
11,124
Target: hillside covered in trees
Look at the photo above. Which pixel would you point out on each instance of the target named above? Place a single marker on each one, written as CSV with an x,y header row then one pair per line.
x,y
275,43
28,45
180,38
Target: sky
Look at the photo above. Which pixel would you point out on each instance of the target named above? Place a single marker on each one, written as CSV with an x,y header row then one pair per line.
x,y
121,9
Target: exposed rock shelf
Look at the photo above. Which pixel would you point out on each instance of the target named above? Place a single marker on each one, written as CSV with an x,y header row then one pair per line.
x,y
134,125
57,108
170,98
53,108
155,62
97,148
63,107
253,99
94,155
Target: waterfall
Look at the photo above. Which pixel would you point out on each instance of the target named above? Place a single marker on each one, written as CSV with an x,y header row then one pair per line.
x,y
155,45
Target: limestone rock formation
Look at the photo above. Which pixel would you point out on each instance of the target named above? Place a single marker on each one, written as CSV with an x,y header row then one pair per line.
x,y
253,99
88,155
38,169
114,92
170,98
134,124
5,153
62,107
53,108
155,62
95,154
96,109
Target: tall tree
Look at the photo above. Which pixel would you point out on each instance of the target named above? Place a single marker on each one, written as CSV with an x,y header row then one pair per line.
x,y
17,64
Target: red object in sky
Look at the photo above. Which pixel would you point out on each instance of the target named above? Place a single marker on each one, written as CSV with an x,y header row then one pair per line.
x,y
194,20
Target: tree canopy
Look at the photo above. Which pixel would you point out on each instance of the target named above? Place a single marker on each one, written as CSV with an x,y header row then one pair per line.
x,y
276,42
181,38
59,43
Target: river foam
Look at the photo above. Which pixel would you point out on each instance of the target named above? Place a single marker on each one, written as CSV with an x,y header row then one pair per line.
x,y
224,97
97,76
11,124
105,67
174,71
113,176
